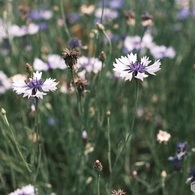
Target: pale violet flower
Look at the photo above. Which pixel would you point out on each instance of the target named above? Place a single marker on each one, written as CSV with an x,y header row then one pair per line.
x,y
32,87
26,190
40,14
162,51
128,67
90,64
53,61
137,43
5,83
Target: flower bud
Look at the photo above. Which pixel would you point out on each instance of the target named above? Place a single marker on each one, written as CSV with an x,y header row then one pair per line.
x,y
98,166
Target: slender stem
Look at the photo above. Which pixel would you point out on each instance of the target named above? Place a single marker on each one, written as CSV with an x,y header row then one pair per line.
x,y
101,19
130,132
38,151
77,93
98,184
64,18
109,43
109,152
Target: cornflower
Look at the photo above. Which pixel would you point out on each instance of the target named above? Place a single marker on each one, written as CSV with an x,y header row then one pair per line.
x,y
32,86
128,67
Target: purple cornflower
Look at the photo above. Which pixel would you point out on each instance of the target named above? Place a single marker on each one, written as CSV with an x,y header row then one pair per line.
x,y
75,43
182,149
40,14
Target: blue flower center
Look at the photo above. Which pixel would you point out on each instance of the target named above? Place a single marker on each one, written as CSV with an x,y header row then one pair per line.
x,y
35,84
135,68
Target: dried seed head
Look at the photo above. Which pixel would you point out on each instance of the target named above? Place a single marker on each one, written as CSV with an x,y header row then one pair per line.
x,y
147,19
130,17
80,84
70,57
102,56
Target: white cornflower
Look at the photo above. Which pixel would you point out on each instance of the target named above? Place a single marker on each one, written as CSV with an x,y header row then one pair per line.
x,y
26,190
33,85
128,67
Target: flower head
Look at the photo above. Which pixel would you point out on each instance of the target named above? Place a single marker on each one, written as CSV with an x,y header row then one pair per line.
x,y
128,67
70,57
31,87
26,190
118,192
163,136
98,166
182,149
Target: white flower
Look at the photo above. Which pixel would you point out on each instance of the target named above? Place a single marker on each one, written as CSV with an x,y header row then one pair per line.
x,y
26,190
53,61
33,86
163,136
128,67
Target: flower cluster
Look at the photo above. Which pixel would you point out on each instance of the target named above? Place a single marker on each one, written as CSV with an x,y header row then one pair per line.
x,y
136,43
53,61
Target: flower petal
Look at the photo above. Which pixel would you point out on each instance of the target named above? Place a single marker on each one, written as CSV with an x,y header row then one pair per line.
x,y
153,68
49,85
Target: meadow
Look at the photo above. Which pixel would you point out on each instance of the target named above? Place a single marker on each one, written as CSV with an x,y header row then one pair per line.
x,y
97,97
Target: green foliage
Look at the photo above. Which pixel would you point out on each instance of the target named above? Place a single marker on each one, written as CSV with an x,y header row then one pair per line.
x,y
60,160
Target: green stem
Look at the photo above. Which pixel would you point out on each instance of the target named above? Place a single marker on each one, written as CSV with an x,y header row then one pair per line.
x,y
98,184
64,19
38,151
101,19
129,134
109,152
109,44
77,93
